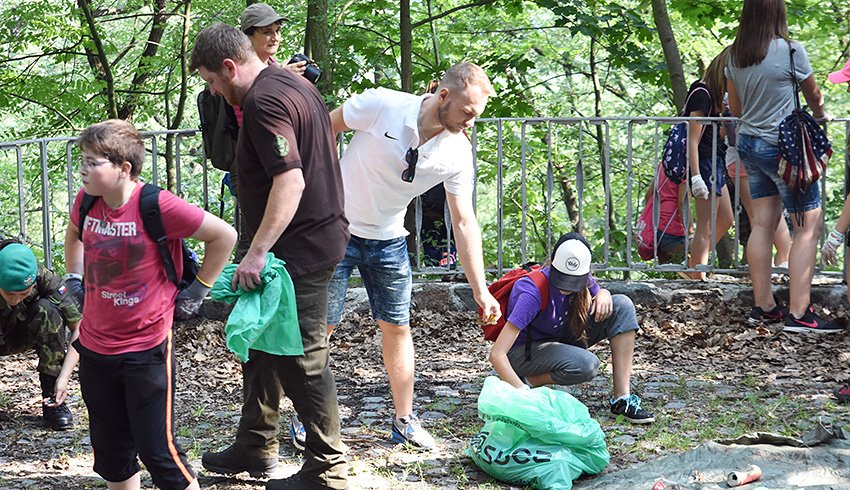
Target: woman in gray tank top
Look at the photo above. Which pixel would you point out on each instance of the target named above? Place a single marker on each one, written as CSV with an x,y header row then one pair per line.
x,y
761,92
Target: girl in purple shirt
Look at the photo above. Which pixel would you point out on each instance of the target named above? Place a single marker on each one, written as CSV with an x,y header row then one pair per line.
x,y
550,346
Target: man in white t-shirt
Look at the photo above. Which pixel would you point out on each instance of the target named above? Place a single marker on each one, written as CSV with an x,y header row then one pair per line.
x,y
404,145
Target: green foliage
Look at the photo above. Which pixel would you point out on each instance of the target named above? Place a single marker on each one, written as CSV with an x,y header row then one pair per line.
x,y
537,52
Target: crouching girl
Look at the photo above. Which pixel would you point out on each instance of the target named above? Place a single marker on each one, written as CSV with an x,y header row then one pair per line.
x,y
547,344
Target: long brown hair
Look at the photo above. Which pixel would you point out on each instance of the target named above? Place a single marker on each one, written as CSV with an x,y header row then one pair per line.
x,y
579,310
715,79
761,22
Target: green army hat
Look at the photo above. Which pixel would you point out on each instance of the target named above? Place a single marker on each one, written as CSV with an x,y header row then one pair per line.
x,y
18,267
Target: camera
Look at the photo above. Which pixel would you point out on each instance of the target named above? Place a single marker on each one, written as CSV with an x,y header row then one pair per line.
x,y
312,71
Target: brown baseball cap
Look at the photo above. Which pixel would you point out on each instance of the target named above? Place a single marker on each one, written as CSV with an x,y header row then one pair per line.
x,y
260,15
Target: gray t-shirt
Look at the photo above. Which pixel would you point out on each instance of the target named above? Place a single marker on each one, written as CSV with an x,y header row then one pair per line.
x,y
766,90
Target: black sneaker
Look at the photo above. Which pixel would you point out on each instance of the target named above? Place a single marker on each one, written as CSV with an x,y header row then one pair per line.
x,y
760,317
811,322
629,407
843,392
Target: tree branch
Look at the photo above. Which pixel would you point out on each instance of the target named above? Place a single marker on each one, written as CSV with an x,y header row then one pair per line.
x,y
49,108
159,22
99,61
451,11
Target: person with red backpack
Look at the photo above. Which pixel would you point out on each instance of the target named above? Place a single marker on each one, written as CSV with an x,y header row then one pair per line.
x,y
547,332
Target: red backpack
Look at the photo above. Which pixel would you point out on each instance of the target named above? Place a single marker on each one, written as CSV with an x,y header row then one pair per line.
x,y
501,290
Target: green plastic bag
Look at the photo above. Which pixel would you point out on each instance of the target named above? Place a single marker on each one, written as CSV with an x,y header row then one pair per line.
x,y
542,437
265,318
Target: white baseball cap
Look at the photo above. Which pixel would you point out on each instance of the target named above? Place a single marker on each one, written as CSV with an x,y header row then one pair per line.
x,y
570,263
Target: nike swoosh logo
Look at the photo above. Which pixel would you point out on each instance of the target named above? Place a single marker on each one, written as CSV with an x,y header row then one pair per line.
x,y
387,134
808,324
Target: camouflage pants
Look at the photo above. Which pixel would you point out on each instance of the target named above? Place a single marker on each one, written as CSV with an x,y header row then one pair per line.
x,y
38,326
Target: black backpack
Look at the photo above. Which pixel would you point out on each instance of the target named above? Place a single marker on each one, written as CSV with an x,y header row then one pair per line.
x,y
219,129
152,219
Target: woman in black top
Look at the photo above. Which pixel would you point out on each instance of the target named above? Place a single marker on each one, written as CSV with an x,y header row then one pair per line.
x,y
705,99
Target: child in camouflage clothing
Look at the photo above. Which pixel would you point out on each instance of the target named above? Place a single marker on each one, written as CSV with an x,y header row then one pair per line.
x,y
35,310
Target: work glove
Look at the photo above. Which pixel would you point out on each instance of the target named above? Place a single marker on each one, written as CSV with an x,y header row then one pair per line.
x,y
74,283
189,300
698,187
831,246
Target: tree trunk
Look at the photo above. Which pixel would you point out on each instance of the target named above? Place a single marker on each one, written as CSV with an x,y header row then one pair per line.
x,y
671,52
406,36
319,45
177,120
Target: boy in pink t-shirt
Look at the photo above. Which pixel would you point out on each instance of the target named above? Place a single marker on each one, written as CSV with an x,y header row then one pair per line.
x,y
123,344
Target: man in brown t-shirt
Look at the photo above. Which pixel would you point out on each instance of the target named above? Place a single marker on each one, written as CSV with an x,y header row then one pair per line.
x,y
292,198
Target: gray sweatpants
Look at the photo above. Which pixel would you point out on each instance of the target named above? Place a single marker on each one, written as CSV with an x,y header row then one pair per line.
x,y
567,360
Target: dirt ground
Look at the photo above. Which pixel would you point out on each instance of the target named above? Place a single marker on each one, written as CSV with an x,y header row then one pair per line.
x,y
703,371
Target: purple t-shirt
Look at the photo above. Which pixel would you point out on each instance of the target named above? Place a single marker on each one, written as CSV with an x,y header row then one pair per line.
x,y
553,322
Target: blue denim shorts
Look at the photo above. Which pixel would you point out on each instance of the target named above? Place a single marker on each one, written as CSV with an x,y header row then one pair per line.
x,y
761,162
385,268
719,176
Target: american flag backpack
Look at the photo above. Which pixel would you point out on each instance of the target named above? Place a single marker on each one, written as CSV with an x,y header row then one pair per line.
x,y
674,156
804,148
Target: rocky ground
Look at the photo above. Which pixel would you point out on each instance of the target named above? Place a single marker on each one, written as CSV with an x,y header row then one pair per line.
x,y
698,366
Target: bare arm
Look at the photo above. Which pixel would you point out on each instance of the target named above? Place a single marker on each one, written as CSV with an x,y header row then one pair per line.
x,y
283,201
814,97
499,355
220,239
73,250
337,121
695,128
72,357
734,101
465,226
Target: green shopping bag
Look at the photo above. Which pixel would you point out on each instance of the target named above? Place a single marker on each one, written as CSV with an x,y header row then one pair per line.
x,y
265,318
543,438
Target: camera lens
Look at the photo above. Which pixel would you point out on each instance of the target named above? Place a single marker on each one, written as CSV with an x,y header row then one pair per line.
x,y
312,73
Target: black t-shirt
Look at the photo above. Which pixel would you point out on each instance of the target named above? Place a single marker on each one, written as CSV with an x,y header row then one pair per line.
x,y
286,126
699,99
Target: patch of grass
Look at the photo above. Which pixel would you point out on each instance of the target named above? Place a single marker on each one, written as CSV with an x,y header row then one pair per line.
x,y
5,401
458,472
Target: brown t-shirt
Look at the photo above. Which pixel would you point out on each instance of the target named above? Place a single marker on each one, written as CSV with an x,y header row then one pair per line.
x,y
286,126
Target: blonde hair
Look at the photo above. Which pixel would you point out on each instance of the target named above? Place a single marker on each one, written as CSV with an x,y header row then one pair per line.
x,y
715,78
464,74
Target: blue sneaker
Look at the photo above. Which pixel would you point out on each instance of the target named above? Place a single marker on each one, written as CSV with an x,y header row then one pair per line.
x,y
629,407
297,433
408,430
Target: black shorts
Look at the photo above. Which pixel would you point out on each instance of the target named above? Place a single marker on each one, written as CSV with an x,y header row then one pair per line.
x,y
130,398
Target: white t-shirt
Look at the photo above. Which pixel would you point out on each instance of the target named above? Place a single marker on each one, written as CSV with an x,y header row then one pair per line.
x,y
385,125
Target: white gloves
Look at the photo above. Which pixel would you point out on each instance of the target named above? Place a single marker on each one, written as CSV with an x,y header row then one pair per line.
x,y
698,187
830,246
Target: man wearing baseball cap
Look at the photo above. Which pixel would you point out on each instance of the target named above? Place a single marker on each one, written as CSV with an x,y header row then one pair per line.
x,y
35,309
546,346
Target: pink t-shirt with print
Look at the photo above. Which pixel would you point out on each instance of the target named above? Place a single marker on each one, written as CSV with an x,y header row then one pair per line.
x,y
129,301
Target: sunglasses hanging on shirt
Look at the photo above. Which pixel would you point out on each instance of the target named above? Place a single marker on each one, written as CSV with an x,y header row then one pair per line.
x,y
411,157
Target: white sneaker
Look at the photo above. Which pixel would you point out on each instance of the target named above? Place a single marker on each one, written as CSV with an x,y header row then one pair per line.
x,y
408,430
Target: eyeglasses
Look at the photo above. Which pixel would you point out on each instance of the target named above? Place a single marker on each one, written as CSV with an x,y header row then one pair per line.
x,y
91,164
411,157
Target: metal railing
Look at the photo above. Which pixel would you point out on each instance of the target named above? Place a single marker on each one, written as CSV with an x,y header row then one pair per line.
x,y
536,178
